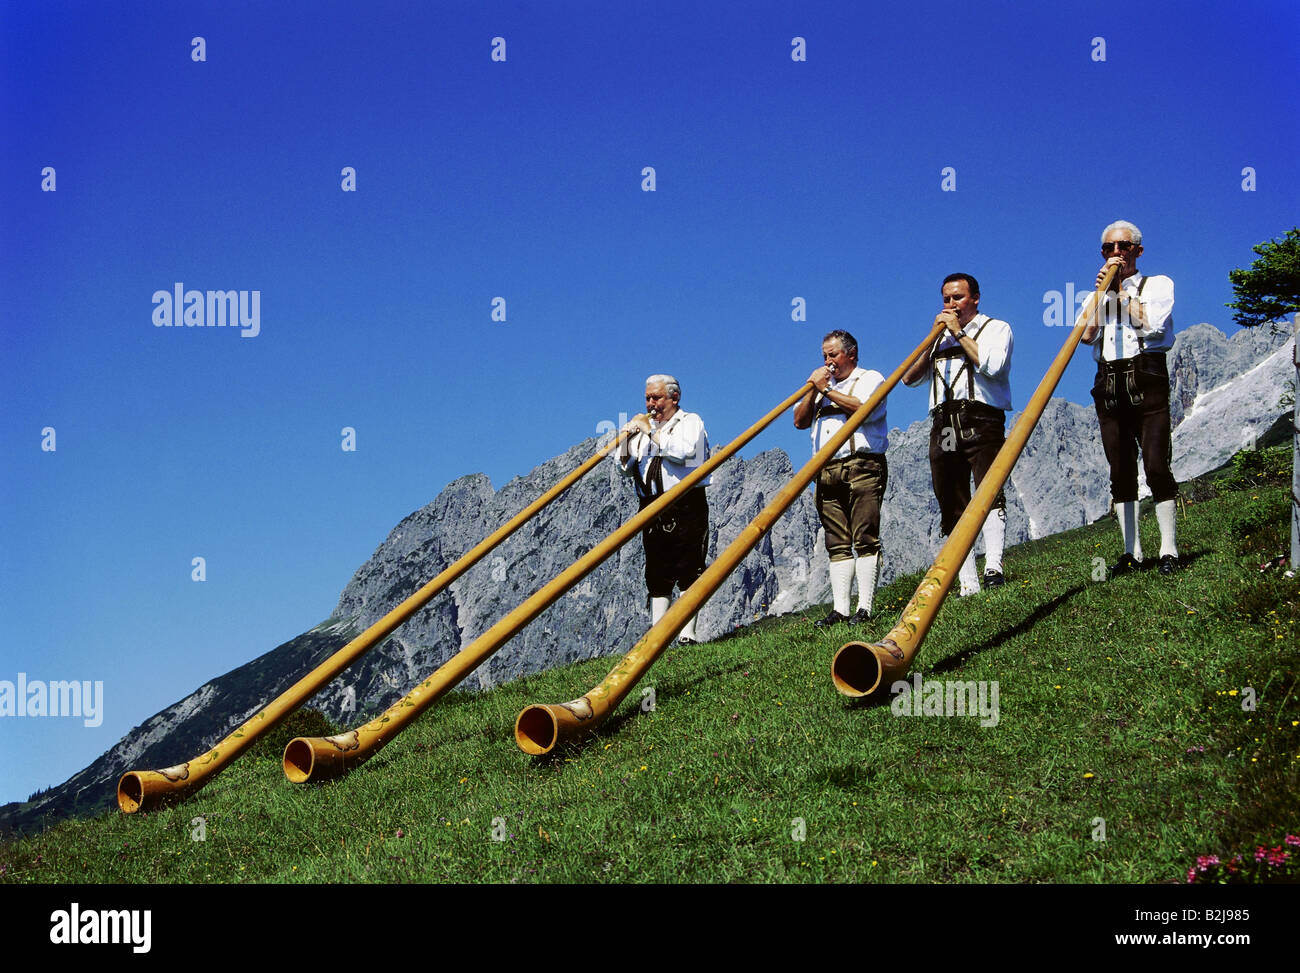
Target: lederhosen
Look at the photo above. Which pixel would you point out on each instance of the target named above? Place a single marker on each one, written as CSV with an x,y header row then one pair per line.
x,y
676,541
850,491
965,436
1132,399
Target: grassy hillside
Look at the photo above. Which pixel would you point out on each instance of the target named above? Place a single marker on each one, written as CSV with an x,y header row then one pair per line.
x,y
1123,707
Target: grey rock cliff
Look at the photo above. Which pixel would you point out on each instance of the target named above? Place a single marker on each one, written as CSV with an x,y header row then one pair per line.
x,y
1232,416
1203,358
604,613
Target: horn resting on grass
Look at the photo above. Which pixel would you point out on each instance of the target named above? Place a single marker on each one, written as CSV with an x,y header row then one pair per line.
x,y
860,668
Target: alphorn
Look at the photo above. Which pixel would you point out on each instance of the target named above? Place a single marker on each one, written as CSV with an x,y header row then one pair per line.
x,y
861,668
540,728
142,790
320,758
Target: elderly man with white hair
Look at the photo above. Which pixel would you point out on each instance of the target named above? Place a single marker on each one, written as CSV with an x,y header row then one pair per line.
x,y
666,444
1129,338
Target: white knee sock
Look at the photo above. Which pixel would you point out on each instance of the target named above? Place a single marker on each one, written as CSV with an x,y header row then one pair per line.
x,y
841,582
970,581
1166,516
658,608
688,630
995,536
1127,515
866,569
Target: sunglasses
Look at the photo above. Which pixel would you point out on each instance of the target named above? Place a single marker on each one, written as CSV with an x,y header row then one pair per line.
x,y
1123,246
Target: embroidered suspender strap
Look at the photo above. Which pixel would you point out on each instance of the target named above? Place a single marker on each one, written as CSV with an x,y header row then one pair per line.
x,y
637,479
934,374
1124,370
954,351
827,408
1119,335
655,476
853,387
652,485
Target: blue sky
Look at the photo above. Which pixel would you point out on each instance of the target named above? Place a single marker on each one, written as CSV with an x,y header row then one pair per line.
x,y
522,179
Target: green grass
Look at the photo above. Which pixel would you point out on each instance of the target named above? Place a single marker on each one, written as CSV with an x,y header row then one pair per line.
x,y
1120,700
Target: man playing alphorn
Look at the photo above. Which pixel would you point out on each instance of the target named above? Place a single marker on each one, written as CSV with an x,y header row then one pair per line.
x,y
851,486
1129,341
969,371
666,444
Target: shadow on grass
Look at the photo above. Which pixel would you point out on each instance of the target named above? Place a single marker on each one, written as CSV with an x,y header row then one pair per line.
x,y
574,748
1151,565
881,697
948,663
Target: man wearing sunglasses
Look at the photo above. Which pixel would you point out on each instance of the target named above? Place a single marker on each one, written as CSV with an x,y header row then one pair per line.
x,y
1129,338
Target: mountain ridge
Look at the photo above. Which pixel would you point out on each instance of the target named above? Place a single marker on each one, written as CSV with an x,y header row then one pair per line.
x,y
1220,387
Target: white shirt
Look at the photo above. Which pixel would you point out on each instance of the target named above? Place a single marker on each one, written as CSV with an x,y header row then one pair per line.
x,y
1118,338
871,436
683,444
992,375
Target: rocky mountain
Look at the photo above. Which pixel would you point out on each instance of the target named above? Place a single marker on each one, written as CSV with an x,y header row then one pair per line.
x,y
1223,389
1203,358
1232,410
604,613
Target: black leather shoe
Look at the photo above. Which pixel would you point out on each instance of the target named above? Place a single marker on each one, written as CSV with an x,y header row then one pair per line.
x,y
860,617
1125,565
1168,564
834,618
994,579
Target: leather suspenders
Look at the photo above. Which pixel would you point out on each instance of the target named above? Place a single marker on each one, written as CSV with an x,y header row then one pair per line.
x,y
829,408
652,484
953,351
1122,371
1142,343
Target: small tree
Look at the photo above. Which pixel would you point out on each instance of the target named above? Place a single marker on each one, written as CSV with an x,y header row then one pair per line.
x,y
1267,292
1270,289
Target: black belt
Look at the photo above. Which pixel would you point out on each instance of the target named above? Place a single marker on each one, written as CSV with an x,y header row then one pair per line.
x,y
967,408
647,499
1121,365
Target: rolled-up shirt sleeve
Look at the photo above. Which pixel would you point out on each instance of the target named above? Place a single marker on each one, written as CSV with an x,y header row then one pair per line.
x,y
1158,307
995,349
685,442
864,388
